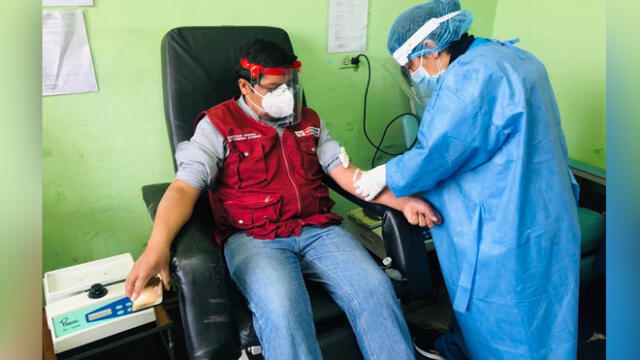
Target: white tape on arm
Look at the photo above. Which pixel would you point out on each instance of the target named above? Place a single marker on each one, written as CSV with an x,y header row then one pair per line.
x,y
344,157
355,174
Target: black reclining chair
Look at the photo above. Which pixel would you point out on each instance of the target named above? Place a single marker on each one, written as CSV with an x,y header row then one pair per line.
x,y
198,68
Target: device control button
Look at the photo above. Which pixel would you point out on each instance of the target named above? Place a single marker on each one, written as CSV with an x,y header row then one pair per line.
x,y
118,307
120,312
128,304
128,309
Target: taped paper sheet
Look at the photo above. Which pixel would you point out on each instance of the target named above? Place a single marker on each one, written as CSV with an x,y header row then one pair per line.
x,y
67,2
348,25
67,66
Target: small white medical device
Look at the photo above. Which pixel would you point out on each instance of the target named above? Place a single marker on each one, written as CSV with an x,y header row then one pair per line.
x,y
87,302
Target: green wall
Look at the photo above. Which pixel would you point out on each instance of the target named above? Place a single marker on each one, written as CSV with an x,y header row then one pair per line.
x,y
100,148
568,36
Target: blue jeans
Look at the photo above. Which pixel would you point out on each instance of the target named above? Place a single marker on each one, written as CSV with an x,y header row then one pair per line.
x,y
270,275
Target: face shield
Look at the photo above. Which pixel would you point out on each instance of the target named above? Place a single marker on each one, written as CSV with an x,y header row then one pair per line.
x,y
280,89
418,96
406,51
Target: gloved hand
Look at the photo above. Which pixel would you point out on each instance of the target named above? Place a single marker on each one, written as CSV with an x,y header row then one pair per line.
x,y
371,182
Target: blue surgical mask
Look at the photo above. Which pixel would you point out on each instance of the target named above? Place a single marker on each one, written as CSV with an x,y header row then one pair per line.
x,y
422,78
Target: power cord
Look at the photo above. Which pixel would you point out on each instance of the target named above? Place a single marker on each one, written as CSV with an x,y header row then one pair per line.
x,y
355,61
384,133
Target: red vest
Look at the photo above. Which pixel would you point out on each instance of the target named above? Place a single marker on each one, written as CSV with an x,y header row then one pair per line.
x,y
269,185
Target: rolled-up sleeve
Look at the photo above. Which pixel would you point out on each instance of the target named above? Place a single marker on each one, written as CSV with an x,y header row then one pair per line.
x,y
328,149
200,158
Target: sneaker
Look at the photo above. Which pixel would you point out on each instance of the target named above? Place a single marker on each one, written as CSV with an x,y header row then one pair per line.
x,y
423,343
430,354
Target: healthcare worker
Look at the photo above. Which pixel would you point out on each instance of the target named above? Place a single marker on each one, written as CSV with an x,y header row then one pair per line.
x,y
492,158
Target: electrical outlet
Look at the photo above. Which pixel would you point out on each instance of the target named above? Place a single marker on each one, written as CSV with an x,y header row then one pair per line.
x,y
345,63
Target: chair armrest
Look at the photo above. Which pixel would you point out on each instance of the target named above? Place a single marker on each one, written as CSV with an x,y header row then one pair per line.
x,y
371,209
199,273
405,244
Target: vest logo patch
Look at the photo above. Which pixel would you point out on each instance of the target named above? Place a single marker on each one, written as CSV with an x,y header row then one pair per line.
x,y
308,131
246,136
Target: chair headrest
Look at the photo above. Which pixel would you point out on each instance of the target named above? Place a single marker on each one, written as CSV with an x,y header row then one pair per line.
x,y
199,70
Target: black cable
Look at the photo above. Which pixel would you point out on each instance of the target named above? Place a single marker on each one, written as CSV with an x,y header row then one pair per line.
x,y
364,110
364,117
384,133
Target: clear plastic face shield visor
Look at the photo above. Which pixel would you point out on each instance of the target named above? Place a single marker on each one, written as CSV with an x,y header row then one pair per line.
x,y
280,89
418,98
398,66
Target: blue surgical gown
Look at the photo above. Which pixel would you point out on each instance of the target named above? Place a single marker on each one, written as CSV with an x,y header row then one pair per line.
x,y
492,159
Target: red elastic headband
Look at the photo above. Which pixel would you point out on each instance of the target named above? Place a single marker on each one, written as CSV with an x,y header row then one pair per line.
x,y
257,69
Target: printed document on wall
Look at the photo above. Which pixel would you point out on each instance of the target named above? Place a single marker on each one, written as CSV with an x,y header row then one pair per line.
x,y
348,25
67,2
67,67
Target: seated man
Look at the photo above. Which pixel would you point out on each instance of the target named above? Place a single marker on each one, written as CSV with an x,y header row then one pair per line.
x,y
263,154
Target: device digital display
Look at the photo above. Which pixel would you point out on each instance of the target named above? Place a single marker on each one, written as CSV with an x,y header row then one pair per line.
x,y
98,315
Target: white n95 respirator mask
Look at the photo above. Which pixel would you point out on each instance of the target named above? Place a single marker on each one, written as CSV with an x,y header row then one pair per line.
x,y
279,102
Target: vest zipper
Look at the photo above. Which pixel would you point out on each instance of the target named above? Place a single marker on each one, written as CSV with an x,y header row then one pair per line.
x,y
286,163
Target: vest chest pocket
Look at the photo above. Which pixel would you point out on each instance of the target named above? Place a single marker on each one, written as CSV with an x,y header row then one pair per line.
x,y
247,162
255,211
310,162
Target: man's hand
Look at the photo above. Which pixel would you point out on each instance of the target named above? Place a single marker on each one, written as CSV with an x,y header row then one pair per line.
x,y
152,261
420,212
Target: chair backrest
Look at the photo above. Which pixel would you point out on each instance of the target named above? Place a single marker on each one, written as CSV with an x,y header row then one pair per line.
x,y
199,70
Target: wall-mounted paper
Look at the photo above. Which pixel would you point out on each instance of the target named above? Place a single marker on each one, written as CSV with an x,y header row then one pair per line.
x,y
67,66
67,2
348,25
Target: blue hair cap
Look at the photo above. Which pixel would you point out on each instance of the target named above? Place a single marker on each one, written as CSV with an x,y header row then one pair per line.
x,y
410,21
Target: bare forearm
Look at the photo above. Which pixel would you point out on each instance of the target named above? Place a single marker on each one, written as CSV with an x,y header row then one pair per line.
x,y
174,211
387,198
344,177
